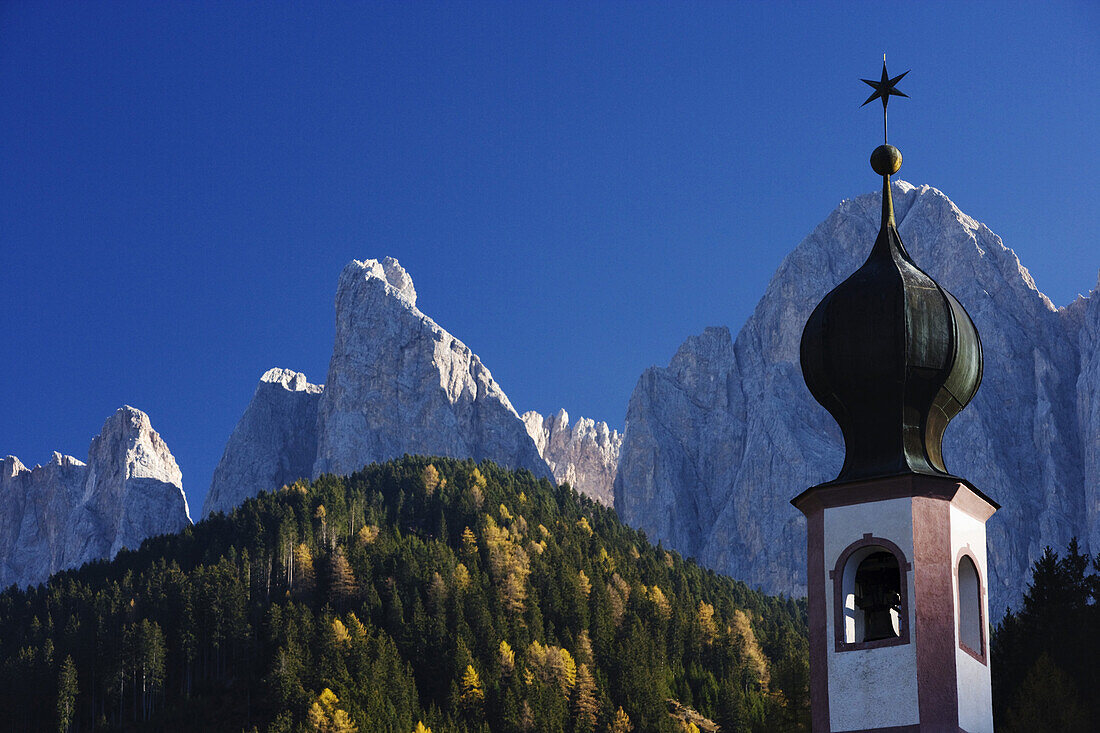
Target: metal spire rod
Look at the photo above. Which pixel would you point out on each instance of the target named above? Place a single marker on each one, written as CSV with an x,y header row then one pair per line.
x,y
886,160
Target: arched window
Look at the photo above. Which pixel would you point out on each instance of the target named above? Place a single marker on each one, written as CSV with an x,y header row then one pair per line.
x,y
971,636
870,589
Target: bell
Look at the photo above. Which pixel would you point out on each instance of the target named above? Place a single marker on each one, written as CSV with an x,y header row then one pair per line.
x,y
879,599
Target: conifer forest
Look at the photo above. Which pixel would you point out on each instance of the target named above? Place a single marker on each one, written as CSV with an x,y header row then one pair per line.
x,y
416,595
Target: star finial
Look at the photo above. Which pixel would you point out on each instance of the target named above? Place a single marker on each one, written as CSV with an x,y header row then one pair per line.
x,y
884,88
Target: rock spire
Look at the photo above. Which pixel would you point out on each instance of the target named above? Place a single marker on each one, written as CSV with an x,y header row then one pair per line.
x,y
66,513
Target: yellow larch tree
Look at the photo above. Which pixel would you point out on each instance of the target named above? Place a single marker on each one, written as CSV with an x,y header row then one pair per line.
x,y
507,657
585,706
621,722
471,696
325,717
745,639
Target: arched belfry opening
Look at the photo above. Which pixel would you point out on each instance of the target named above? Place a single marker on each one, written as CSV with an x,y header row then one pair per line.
x,y
897,626
870,595
971,631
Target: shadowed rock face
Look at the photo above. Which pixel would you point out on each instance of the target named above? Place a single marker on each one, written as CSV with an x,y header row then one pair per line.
x,y
274,443
717,443
66,513
585,456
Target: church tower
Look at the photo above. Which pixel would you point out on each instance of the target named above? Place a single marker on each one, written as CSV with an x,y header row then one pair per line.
x,y
897,567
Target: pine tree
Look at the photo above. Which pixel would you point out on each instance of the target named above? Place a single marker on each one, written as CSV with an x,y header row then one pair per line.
x,y
340,634
151,657
1047,703
430,479
368,533
507,658
437,592
469,543
66,695
321,515
461,577
584,585
584,649
745,642
704,618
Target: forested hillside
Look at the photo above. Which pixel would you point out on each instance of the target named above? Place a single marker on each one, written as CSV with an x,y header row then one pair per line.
x,y
417,594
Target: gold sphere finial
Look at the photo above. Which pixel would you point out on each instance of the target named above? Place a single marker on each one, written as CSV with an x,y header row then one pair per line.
x,y
886,160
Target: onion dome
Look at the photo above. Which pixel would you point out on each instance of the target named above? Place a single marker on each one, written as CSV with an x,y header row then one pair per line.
x,y
891,355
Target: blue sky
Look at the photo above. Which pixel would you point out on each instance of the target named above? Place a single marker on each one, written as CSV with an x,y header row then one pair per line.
x,y
575,188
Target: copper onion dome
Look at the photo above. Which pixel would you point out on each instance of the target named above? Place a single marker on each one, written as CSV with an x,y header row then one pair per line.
x,y
890,353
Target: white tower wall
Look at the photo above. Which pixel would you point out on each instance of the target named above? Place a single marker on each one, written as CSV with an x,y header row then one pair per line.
x,y
974,682
878,685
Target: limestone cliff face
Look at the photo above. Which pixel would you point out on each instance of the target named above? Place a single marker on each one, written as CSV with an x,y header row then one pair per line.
x,y
398,383
718,442
1088,409
683,444
274,443
37,505
585,456
66,513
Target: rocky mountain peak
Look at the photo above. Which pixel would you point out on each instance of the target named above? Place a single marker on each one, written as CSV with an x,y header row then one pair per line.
x,y
399,383
129,442
10,467
585,456
291,381
387,273
273,444
66,512
59,460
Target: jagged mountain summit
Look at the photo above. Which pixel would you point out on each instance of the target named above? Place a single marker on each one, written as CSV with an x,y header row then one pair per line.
x,y
585,456
397,383
274,443
717,443
66,513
